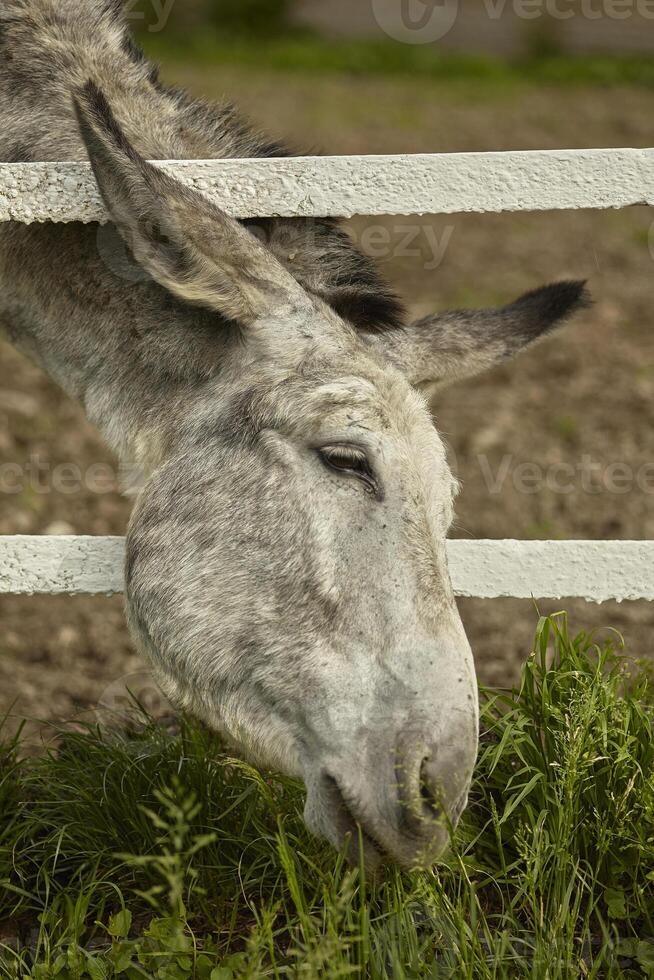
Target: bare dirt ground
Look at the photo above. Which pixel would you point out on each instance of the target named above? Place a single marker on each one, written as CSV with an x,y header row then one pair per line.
x,y
582,400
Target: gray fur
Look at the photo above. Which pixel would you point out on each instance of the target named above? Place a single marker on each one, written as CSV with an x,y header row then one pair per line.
x,y
306,611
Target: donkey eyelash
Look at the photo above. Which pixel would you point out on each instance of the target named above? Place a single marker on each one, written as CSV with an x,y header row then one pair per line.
x,y
349,461
348,456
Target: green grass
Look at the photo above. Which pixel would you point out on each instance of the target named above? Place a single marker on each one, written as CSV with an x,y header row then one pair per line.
x,y
154,855
308,53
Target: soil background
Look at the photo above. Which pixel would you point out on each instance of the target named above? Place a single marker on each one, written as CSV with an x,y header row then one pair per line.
x,y
584,398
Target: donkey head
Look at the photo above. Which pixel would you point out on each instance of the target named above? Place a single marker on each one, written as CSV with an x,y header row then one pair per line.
x,y
287,570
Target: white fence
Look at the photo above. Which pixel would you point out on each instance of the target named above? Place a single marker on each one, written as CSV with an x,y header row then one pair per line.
x,y
342,187
423,183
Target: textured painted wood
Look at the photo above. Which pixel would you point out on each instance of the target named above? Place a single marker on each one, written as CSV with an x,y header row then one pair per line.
x,y
594,570
343,186
71,565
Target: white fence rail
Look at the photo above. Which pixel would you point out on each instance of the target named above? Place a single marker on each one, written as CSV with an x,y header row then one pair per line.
x,y
594,570
442,183
341,187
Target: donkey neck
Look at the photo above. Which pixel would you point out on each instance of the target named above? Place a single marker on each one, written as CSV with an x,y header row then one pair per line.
x,y
122,346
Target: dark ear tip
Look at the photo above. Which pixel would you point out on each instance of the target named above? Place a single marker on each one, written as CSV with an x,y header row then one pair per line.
x,y
575,293
545,307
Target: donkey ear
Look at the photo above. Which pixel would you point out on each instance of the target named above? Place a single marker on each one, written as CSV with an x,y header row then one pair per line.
x,y
450,346
181,239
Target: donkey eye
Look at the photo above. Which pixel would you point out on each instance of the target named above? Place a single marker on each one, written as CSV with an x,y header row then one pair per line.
x,y
351,461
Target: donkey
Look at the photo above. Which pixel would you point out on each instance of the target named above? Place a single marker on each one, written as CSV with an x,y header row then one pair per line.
x,y
286,570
